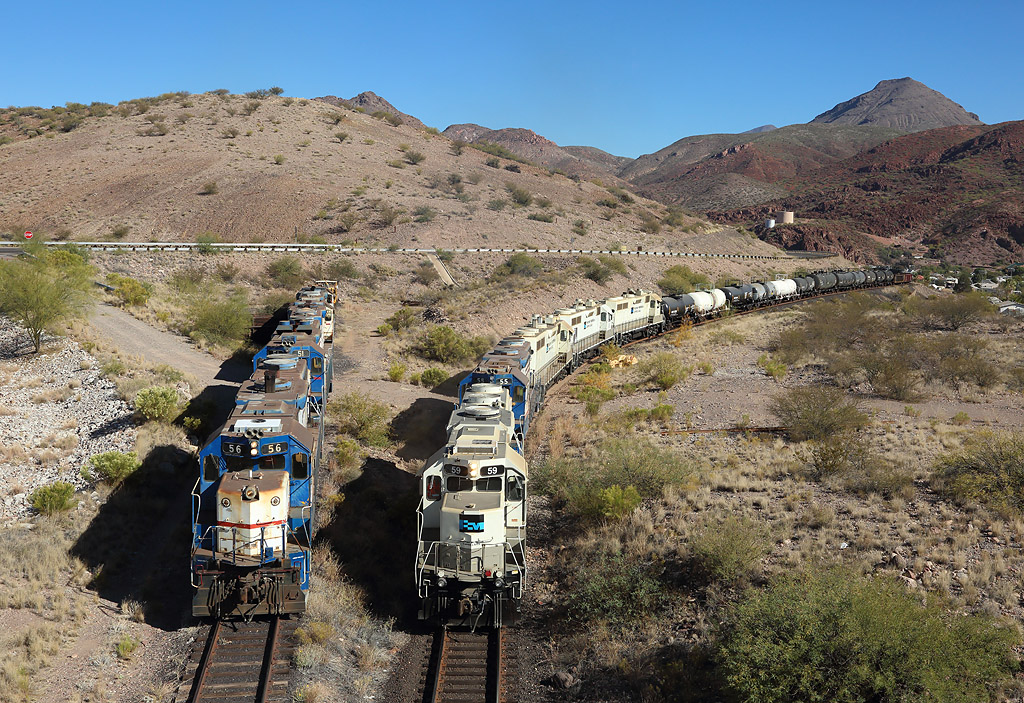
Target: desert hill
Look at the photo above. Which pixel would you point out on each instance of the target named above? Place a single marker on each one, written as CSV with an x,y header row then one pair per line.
x,y
179,167
955,191
583,161
371,103
901,103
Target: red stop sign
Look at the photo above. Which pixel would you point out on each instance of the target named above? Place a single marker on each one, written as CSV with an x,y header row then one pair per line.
x,y
28,235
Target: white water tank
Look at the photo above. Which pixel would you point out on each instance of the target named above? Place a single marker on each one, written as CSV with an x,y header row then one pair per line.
x,y
769,223
786,216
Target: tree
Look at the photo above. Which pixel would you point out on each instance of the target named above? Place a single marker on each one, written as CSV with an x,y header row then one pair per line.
x,y
44,292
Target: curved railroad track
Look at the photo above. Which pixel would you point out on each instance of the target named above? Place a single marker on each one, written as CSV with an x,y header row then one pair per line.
x,y
242,662
466,667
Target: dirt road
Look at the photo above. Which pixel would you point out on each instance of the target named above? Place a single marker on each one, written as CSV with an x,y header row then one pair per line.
x,y
155,346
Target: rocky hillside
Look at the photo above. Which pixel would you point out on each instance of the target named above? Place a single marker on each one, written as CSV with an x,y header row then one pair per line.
x,y
722,171
902,104
956,192
583,161
371,103
216,166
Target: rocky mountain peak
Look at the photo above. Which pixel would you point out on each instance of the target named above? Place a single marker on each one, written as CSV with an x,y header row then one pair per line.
x,y
901,103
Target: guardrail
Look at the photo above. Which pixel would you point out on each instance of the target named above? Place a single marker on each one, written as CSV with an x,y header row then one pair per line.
x,y
337,248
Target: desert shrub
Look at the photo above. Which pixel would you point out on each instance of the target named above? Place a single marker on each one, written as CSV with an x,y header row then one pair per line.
x,y
57,497
363,418
664,370
113,467
540,217
130,291
444,344
159,403
520,196
773,367
581,481
205,242
579,227
286,272
279,159
614,590
681,279
396,371
497,204
219,320
988,470
342,269
414,157
730,551
837,637
954,311
816,412
209,188
403,318
424,214
594,270
842,453
427,274
456,147
348,454
432,377
614,264
617,502
519,264
493,162
879,476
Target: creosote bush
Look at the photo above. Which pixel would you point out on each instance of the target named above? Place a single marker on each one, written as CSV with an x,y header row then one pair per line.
x,y
729,552
129,291
432,377
664,370
988,470
816,412
286,272
681,279
58,497
835,636
519,264
159,403
613,590
114,467
444,344
219,320
363,418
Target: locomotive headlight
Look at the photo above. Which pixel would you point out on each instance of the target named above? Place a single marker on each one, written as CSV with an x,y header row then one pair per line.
x,y
499,582
474,469
254,447
442,582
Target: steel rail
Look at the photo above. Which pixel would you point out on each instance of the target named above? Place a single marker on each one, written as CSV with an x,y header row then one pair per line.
x,y
204,662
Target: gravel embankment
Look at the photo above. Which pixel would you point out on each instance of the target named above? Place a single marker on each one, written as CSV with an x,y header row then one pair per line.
x,y
56,410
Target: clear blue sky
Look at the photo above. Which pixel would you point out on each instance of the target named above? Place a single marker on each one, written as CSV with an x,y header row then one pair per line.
x,y
628,77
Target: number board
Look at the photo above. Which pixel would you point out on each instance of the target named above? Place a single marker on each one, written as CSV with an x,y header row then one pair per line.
x,y
275,448
471,523
453,470
233,448
492,470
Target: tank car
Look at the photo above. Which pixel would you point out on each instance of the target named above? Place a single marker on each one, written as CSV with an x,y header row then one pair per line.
x,y
471,517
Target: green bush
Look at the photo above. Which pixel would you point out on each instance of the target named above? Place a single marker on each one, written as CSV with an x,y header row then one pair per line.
x,y
840,638
954,311
432,377
158,403
636,463
773,367
729,552
403,318
612,590
444,344
519,264
58,497
988,470
113,467
286,272
414,157
664,370
593,270
540,217
618,502
130,291
816,412
396,372
363,418
219,321
520,196
681,279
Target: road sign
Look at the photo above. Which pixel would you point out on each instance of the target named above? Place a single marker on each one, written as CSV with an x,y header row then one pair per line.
x,y
28,235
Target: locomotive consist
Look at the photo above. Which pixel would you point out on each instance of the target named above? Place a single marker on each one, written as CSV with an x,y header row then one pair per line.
x,y
254,503
471,516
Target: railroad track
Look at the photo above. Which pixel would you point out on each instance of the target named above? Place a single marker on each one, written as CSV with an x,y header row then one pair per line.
x,y
466,667
242,662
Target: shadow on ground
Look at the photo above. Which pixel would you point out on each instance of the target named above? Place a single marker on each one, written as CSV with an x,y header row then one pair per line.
x,y
373,532
422,426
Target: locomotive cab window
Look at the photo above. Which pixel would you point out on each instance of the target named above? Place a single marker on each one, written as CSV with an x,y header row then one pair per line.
x,y
513,489
275,462
519,394
318,364
211,468
457,483
491,485
300,466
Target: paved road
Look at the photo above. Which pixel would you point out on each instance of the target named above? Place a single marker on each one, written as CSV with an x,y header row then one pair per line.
x,y
136,338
